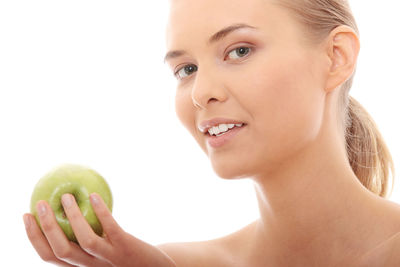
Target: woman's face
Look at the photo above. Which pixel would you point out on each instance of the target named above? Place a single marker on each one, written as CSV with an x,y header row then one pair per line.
x,y
274,84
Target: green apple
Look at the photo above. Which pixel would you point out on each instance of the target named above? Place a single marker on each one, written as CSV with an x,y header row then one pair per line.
x,y
80,181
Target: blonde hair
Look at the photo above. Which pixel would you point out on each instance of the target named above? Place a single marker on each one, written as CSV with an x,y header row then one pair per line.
x,y
367,152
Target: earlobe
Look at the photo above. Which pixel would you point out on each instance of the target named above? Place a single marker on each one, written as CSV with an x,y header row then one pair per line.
x,y
343,48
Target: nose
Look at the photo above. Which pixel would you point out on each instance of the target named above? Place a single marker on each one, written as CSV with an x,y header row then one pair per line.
x,y
207,88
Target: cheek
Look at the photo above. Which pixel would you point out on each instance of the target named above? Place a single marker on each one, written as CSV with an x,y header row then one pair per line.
x,y
286,105
185,111
182,109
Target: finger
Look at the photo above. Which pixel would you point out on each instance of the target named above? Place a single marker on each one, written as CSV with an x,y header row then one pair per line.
x,y
110,227
39,241
87,238
62,248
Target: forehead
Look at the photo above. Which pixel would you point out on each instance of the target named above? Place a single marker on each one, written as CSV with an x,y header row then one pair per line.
x,y
200,19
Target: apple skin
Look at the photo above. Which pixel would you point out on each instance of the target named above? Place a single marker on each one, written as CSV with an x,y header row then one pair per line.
x,y
78,180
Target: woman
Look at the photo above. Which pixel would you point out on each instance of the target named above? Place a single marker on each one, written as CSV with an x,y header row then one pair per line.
x,y
275,74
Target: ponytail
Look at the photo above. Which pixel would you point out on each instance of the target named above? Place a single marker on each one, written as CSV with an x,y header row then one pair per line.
x,y
367,152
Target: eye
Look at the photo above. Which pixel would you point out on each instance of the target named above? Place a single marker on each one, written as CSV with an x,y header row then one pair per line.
x,y
241,51
188,69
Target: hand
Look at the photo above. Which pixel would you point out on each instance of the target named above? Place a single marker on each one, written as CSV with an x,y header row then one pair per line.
x,y
116,248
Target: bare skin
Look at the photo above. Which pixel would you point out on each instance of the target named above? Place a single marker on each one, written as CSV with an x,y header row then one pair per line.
x,y
313,209
115,248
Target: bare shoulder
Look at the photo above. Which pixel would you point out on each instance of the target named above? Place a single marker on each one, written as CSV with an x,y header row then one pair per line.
x,y
193,254
219,252
386,253
392,257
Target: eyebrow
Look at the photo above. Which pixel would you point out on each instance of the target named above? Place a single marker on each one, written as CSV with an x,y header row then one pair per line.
x,y
221,34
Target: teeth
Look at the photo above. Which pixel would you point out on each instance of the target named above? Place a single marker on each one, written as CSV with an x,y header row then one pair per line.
x,y
222,128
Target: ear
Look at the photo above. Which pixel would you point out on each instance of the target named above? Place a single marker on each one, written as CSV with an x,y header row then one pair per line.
x,y
343,48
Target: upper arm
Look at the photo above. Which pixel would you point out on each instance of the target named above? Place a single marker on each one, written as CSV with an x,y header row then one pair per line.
x,y
184,254
176,252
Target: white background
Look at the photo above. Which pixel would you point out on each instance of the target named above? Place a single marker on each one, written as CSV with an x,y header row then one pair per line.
x,y
84,82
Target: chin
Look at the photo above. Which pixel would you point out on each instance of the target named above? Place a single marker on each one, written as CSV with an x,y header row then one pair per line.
x,y
229,171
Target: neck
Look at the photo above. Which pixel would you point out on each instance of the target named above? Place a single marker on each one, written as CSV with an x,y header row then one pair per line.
x,y
313,204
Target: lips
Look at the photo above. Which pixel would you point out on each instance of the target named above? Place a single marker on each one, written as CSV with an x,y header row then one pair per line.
x,y
207,124
223,140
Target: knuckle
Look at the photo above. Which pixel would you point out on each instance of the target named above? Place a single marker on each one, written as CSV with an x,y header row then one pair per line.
x,y
103,212
47,225
64,253
33,235
47,257
73,215
89,244
116,233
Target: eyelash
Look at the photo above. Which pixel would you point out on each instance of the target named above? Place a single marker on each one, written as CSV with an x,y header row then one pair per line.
x,y
230,51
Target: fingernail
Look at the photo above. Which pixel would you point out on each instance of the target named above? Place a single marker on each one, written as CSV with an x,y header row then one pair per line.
x,y
41,209
27,221
95,199
67,200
